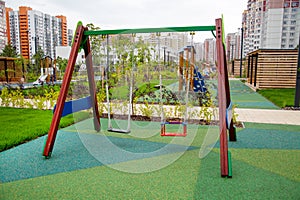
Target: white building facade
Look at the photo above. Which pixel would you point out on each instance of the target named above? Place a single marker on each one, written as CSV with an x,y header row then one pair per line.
x,y
3,36
15,30
271,24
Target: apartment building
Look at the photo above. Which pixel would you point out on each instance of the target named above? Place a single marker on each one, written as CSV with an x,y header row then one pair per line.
x,y
271,24
13,33
3,36
64,30
29,30
233,44
210,51
166,45
70,37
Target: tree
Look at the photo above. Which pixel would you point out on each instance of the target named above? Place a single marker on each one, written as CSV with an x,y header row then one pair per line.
x,y
95,41
9,51
62,63
38,57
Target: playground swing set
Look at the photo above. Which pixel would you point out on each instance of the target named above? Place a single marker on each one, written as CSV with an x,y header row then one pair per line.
x,y
81,41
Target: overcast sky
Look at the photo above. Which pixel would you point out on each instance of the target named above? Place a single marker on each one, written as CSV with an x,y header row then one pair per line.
x,y
115,14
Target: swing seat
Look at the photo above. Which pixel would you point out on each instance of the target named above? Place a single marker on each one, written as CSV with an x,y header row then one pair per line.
x,y
116,130
171,134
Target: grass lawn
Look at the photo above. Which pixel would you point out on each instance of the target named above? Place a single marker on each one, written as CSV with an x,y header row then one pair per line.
x,y
121,92
21,125
280,97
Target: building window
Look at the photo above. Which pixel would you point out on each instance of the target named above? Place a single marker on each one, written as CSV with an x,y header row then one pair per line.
x,y
292,28
291,46
286,5
293,22
283,46
295,4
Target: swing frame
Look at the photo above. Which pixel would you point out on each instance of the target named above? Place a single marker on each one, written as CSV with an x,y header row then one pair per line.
x,y
81,40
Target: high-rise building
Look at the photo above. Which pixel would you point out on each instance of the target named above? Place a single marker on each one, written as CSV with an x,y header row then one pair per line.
x,y
271,24
24,31
233,46
70,37
30,30
7,10
210,50
167,45
3,36
13,27
64,30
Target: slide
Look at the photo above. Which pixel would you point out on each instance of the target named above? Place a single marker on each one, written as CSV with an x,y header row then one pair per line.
x,y
199,85
40,80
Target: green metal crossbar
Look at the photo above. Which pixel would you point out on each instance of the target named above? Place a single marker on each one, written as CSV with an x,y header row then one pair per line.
x,y
150,30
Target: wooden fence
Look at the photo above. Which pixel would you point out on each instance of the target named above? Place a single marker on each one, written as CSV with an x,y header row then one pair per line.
x,y
272,68
234,67
10,71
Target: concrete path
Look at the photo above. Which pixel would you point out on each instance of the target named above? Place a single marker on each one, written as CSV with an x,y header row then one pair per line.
x,y
291,117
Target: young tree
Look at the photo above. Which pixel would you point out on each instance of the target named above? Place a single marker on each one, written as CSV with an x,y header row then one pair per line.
x,y
38,57
9,51
95,41
62,63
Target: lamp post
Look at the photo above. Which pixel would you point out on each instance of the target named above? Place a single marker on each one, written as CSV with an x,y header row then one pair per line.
x,y
242,44
164,55
168,58
297,93
231,55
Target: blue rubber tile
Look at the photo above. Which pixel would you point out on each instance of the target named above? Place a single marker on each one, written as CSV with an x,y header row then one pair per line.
x,y
266,139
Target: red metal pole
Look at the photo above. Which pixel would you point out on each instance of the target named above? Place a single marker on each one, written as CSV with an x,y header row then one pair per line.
x,y
162,130
63,92
222,99
184,130
92,85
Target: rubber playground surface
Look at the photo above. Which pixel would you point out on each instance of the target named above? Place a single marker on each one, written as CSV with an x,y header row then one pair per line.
x,y
244,97
144,165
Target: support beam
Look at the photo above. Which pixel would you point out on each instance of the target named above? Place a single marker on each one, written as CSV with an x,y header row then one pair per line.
x,y
63,92
151,30
222,99
92,85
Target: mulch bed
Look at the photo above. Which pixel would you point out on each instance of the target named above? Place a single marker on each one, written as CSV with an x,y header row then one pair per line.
x,y
158,119
291,108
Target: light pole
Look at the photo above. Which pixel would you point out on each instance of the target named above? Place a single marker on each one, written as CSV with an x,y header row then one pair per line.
x,y
297,93
232,61
164,55
242,44
168,58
